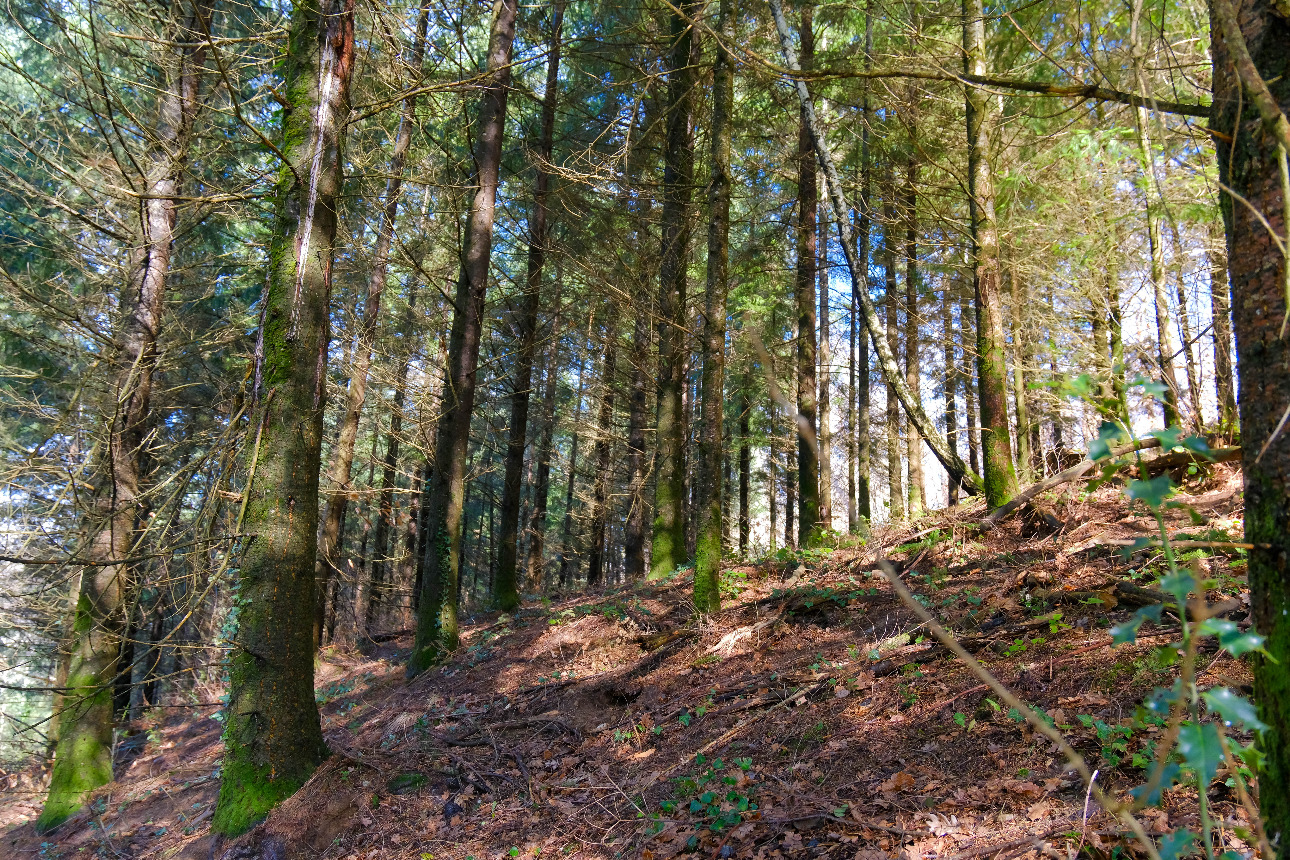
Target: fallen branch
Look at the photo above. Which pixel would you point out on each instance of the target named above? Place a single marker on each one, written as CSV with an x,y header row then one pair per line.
x,y
1074,473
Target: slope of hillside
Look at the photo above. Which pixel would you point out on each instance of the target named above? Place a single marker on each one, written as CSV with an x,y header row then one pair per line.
x,y
812,717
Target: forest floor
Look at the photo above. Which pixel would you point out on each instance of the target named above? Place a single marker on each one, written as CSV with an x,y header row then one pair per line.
x,y
812,717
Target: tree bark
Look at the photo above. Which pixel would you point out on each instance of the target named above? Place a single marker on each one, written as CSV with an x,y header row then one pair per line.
x,y
669,539
913,372
437,631
1252,36
506,590
1000,473
273,739
535,563
600,456
864,442
1220,296
825,431
638,405
341,470
566,531
890,301
745,468
707,559
83,751
808,448
951,386
1020,394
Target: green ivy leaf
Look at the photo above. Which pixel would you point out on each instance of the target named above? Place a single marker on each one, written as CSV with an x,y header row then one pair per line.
x,y
1176,844
1152,492
1198,743
1108,434
1233,709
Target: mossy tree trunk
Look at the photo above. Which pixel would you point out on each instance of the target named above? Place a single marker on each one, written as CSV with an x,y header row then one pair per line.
x,y
1000,478
707,564
272,737
83,752
1252,48
668,551
437,629
506,589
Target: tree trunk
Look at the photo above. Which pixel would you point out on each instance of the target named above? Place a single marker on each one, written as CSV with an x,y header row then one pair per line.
x,y
343,456
895,476
745,468
864,441
638,405
1020,303
507,591
83,751
437,620
379,579
1220,297
535,564
600,456
837,199
951,385
566,531
826,433
1257,43
273,740
913,373
669,540
707,561
1000,473
969,386
808,453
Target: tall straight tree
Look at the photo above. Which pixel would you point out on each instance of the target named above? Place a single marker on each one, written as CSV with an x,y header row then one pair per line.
x,y
437,630
678,179
506,590
808,455
707,562
826,432
1000,478
534,564
342,462
913,371
272,735
600,457
951,386
1221,314
864,442
891,306
1252,53
83,754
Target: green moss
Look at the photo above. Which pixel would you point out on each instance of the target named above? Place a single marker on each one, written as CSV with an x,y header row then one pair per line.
x,y
707,567
83,760
247,793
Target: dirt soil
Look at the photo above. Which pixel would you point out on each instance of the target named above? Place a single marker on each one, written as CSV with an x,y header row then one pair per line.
x,y
812,717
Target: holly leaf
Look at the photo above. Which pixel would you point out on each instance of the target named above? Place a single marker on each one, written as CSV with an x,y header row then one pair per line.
x,y
1179,584
1152,492
1200,748
1197,445
1176,844
1168,437
1230,637
1108,434
1168,776
1233,709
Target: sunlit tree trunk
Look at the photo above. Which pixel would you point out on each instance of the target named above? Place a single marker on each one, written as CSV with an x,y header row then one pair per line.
x,y
891,303
1000,475
707,564
1220,293
826,432
913,372
1252,52
969,385
1020,303
273,739
507,585
437,618
864,440
951,385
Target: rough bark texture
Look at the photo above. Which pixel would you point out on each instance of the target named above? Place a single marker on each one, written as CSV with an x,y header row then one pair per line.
x,y
83,754
1020,393
707,558
600,456
273,740
535,563
808,453
1220,293
638,407
437,629
678,178
826,431
342,462
506,588
1000,473
890,302
1249,166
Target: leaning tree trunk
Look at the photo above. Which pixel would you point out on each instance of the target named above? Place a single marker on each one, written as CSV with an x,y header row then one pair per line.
x,y
1253,53
506,588
83,753
707,561
808,452
342,462
678,177
992,375
273,740
437,629
859,279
